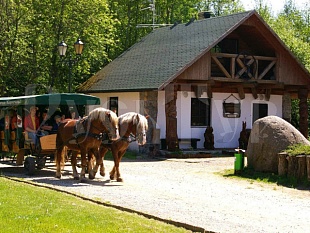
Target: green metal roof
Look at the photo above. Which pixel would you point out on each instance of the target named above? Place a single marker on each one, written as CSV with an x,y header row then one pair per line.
x,y
50,99
155,60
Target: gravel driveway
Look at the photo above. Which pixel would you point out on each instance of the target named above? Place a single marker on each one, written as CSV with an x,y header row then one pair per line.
x,y
190,191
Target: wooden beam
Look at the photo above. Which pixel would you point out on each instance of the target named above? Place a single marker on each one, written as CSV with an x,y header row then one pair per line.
x,y
266,69
209,91
244,67
254,92
233,67
241,92
242,56
221,67
267,94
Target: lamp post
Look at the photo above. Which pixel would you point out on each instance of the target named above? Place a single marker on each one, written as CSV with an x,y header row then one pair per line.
x,y
78,47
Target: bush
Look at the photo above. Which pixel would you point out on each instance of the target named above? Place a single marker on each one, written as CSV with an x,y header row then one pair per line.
x,y
298,149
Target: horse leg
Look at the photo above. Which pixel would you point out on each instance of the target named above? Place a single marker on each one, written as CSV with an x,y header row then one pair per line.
x,y
91,168
83,164
118,174
102,153
59,162
74,164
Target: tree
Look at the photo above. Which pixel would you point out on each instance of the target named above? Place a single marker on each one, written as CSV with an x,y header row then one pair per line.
x,y
32,30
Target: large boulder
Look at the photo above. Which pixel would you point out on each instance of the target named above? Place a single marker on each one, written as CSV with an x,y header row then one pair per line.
x,y
269,136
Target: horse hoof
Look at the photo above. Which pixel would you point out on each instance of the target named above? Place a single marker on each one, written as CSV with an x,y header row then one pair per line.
x,y
111,177
76,178
91,177
83,180
102,174
119,179
58,176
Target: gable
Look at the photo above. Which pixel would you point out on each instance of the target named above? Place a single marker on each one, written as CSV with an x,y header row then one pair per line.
x,y
183,52
161,55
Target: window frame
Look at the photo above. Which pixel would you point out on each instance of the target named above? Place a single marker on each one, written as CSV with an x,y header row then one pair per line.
x,y
258,111
113,104
203,112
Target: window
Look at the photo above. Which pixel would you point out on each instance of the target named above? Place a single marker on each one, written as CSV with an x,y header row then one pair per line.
x,y
113,104
200,112
259,111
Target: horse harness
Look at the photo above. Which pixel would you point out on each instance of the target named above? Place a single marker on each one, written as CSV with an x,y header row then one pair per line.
x,y
80,131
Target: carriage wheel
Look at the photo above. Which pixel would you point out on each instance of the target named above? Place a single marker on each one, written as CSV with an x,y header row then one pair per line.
x,y
30,165
40,162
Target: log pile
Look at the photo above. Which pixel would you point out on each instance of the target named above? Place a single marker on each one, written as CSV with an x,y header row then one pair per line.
x,y
294,166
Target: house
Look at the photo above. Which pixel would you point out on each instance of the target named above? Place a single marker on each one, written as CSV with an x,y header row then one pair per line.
x,y
219,71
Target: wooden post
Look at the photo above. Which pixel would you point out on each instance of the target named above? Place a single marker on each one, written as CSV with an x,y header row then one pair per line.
x,y
171,118
20,157
292,166
282,164
303,112
308,166
149,108
286,107
301,167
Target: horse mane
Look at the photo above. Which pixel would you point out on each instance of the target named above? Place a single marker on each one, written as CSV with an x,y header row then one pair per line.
x,y
135,118
101,114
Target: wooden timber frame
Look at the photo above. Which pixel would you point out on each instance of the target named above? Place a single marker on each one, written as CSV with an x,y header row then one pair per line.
x,y
237,59
231,82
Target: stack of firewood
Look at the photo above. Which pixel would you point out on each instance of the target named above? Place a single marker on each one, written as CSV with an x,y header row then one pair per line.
x,y
294,166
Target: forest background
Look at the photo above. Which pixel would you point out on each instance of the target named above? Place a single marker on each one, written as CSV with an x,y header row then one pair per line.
x,y
30,31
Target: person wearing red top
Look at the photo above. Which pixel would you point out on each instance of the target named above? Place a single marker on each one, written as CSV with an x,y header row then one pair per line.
x,y
32,125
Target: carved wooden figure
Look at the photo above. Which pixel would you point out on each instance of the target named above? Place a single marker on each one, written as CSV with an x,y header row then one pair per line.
x,y
209,138
244,136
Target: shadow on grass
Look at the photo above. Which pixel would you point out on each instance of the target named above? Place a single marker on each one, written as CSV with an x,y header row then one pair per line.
x,y
265,177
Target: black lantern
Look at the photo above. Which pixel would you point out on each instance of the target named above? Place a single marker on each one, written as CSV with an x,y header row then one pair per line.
x,y
62,48
78,46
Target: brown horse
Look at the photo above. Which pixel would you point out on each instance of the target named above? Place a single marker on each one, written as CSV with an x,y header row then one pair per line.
x,y
85,135
130,123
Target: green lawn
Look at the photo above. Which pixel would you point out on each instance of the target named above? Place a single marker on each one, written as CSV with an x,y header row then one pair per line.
x,y
26,208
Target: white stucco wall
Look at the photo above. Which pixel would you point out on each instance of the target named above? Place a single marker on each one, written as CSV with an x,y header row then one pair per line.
x,y
226,130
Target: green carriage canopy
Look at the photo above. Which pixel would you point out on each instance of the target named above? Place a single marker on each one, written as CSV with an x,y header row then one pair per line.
x,y
50,99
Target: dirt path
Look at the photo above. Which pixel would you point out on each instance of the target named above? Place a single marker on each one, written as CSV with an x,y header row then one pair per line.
x,y
189,191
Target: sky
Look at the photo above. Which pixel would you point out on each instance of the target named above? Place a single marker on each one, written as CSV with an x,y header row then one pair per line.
x,y
276,5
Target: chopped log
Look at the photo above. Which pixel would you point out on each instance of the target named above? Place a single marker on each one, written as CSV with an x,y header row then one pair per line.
x,y
301,167
282,164
308,166
292,166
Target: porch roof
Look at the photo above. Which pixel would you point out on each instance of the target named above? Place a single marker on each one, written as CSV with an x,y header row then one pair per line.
x,y
159,57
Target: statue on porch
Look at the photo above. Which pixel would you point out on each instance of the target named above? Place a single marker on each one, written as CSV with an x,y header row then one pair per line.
x,y
209,138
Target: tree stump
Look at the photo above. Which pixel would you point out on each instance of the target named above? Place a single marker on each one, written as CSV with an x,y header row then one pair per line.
x,y
308,166
292,166
301,167
282,164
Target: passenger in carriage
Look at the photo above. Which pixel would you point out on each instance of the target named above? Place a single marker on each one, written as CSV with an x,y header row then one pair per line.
x,y
46,124
73,115
57,119
32,126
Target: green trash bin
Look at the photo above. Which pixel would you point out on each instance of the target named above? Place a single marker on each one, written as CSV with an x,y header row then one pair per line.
x,y
239,162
